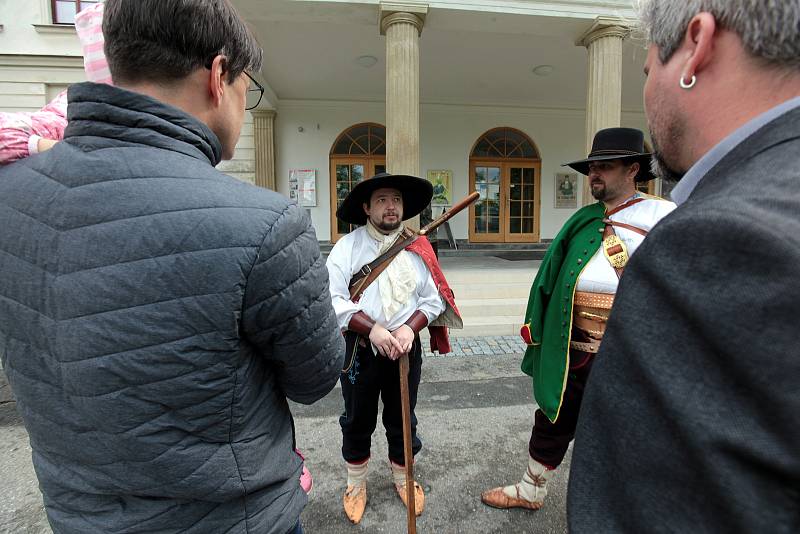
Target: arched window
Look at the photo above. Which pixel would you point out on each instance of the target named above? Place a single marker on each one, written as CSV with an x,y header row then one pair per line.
x,y
357,154
505,169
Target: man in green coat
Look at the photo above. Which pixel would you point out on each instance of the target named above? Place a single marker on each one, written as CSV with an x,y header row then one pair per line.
x,y
571,299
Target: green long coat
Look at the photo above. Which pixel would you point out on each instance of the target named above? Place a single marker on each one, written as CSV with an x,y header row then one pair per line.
x,y
549,314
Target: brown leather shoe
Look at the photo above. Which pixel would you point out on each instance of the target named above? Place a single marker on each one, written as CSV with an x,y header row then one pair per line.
x,y
419,497
355,501
497,498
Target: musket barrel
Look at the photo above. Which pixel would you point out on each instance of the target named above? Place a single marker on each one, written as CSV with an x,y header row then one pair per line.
x,y
444,217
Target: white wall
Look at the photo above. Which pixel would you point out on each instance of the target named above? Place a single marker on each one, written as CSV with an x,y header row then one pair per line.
x,y
310,148
447,133
28,30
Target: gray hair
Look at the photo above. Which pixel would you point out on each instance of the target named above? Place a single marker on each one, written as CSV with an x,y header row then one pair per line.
x,y
769,29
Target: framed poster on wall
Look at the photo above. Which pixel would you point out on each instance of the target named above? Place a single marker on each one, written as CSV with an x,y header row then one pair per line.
x,y
566,190
303,186
442,181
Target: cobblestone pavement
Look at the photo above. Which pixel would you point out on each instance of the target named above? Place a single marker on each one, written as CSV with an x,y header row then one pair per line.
x,y
486,345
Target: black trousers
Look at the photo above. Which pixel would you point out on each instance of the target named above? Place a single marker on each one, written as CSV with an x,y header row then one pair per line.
x,y
549,441
367,377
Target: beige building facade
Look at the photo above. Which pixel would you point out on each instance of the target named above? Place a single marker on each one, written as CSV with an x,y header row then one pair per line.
x,y
491,96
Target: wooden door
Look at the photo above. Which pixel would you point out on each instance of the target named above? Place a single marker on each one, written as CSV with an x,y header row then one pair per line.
x,y
345,174
509,205
522,201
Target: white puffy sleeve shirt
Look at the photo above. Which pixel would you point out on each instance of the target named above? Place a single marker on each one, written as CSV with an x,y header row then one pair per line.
x,y
599,276
352,252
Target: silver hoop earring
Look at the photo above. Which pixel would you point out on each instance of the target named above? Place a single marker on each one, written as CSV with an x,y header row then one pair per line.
x,y
691,83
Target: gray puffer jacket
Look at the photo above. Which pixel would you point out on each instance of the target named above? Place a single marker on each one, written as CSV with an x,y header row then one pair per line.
x,y
155,315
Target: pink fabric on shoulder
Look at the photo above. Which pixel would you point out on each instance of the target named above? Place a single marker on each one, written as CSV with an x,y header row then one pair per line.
x,y
20,132
89,25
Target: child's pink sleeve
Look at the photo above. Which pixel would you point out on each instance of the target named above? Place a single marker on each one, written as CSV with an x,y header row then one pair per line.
x,y
89,25
20,132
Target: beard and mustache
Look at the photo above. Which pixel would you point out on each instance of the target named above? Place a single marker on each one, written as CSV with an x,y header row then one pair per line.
x,y
661,169
384,226
599,194
388,227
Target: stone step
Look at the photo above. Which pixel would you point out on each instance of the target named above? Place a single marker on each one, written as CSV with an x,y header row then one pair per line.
x,y
506,254
490,307
491,290
493,325
463,244
462,279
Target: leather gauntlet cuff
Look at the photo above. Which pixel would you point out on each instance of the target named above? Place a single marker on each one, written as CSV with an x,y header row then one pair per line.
x,y
417,321
361,324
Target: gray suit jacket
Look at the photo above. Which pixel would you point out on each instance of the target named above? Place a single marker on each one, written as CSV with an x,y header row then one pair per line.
x,y
691,418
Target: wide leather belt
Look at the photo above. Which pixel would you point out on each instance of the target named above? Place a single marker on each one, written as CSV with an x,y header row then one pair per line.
x,y
594,300
590,314
592,347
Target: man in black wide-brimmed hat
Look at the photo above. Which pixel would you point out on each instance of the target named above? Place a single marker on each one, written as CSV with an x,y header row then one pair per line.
x,y
571,299
381,321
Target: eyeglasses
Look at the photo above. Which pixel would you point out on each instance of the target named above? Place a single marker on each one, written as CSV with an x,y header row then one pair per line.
x,y
255,92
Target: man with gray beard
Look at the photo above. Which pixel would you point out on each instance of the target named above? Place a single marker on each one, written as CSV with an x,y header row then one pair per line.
x,y
690,419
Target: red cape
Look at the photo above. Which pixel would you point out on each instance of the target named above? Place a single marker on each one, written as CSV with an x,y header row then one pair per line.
x,y
440,341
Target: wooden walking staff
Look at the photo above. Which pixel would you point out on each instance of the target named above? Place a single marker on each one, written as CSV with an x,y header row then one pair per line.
x,y
408,454
405,399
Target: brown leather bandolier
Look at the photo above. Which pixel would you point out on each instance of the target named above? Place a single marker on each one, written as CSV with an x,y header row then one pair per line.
x,y
590,311
369,272
614,249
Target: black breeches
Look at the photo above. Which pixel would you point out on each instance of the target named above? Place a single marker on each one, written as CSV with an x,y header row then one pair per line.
x,y
368,377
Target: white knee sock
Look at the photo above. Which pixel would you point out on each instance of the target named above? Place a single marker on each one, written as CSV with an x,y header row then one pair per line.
x,y
398,473
357,473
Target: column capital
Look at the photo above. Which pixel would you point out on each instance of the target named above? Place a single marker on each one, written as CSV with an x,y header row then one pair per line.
x,y
266,113
604,27
391,13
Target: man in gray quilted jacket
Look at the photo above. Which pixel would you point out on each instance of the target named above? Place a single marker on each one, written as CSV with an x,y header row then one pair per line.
x,y
155,314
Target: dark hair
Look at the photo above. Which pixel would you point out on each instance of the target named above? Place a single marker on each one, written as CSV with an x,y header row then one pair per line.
x,y
166,40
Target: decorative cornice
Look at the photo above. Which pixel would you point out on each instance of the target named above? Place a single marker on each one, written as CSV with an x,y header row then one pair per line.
x,y
402,13
64,29
26,60
604,27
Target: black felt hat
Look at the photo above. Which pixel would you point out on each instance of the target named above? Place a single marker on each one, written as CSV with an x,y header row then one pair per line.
x,y
626,144
416,192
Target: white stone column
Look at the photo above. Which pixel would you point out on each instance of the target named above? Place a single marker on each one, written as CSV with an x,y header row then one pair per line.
x,y
604,85
264,141
402,25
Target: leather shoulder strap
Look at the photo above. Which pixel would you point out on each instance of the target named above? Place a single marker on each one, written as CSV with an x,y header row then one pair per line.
x,y
369,272
632,228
